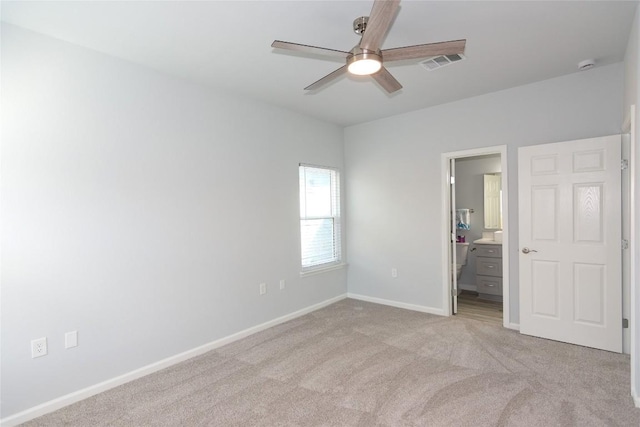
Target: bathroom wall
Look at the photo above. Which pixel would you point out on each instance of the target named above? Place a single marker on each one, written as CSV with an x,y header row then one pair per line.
x,y
470,195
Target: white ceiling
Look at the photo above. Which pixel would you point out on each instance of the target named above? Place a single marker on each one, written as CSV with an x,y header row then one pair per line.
x,y
226,45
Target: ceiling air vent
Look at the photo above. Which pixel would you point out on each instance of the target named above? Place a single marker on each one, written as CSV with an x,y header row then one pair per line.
x,y
441,61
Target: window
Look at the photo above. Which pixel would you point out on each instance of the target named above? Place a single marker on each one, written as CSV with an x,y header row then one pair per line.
x,y
319,217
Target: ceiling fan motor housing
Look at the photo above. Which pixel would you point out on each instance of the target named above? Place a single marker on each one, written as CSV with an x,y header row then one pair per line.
x,y
358,54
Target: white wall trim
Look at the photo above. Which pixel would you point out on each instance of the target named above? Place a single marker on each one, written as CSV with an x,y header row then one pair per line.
x,y
634,345
445,201
514,326
445,204
322,270
85,393
413,307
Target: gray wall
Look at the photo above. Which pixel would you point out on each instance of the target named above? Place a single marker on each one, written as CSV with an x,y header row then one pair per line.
x,y
141,211
470,195
394,174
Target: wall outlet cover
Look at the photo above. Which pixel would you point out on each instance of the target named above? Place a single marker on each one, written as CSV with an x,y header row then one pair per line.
x,y
39,347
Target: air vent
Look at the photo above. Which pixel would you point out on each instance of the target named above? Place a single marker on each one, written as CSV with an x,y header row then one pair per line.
x,y
441,61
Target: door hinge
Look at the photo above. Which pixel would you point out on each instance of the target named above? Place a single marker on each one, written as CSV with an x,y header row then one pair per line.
x,y
454,292
625,244
625,323
624,164
452,180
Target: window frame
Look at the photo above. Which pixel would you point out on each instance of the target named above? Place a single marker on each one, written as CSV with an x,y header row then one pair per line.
x,y
335,200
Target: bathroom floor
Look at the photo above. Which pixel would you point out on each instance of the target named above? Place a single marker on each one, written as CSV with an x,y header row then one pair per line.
x,y
471,307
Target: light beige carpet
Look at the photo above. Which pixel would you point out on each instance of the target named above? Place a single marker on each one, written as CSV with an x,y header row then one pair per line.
x,y
360,364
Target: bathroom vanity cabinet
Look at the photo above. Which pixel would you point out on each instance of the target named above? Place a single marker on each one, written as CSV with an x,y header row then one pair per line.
x,y
489,271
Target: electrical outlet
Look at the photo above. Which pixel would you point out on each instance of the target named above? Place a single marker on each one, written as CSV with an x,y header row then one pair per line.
x,y
263,288
39,347
71,339
394,272
282,284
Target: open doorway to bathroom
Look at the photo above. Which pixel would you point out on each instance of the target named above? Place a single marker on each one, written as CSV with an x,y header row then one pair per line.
x,y
476,234
478,229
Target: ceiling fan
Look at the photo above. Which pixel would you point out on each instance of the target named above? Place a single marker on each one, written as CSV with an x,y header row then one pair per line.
x,y
366,58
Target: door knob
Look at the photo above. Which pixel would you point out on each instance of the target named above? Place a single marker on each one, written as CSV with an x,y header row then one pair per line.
x,y
527,250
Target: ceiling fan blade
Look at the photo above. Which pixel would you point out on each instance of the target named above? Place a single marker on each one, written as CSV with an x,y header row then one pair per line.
x,y
310,49
424,50
386,80
382,13
328,78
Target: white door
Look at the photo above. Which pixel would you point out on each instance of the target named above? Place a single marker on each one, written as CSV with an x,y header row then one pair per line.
x,y
570,242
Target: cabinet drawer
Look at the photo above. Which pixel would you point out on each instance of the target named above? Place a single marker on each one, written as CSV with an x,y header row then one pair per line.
x,y
489,266
489,285
489,251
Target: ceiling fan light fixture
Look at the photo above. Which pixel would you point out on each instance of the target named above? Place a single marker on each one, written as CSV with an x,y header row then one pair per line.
x,y
365,67
364,63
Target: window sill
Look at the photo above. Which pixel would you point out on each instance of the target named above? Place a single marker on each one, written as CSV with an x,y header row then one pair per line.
x,y
321,270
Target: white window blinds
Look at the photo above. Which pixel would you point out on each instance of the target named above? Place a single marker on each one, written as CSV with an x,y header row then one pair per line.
x,y
319,217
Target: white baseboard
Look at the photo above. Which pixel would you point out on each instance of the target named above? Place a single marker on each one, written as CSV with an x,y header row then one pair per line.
x,y
635,396
414,307
514,326
79,395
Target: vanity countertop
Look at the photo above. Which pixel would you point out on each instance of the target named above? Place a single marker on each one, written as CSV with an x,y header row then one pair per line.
x,y
487,242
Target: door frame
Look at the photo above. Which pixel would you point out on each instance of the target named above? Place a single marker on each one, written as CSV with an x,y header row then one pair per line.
x,y
629,127
453,249
445,161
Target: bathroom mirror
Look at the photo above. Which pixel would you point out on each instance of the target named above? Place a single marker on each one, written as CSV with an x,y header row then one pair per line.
x,y
493,201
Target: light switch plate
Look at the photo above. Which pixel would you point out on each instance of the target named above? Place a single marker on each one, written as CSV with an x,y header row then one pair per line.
x,y
71,339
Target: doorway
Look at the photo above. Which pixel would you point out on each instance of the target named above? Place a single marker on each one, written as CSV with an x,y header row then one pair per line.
x,y
481,287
